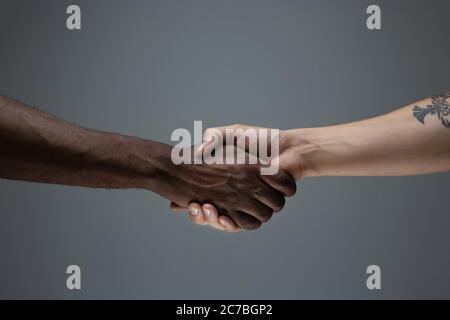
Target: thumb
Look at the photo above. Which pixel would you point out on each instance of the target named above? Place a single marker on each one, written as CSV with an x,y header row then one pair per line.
x,y
212,138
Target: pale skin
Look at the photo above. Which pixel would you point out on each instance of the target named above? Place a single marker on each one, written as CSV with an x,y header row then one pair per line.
x,y
412,140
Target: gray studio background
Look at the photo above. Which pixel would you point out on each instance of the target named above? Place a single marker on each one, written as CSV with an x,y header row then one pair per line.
x,y
144,68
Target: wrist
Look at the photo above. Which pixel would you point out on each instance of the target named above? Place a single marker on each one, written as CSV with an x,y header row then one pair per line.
x,y
140,163
300,151
156,165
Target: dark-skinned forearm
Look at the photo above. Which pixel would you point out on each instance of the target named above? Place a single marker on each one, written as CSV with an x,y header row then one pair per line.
x,y
38,147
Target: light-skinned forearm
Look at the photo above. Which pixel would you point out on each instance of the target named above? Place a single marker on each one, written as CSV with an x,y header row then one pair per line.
x,y
390,145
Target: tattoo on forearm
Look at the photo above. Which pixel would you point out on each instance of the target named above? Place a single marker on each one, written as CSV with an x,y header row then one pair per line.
x,y
439,107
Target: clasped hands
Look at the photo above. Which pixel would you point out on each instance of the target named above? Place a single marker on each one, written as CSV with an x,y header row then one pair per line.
x,y
227,195
249,198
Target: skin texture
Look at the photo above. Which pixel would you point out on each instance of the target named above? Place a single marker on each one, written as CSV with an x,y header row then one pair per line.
x,y
409,141
38,147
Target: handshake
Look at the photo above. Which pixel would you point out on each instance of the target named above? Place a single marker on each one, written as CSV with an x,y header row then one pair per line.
x,y
228,195
233,191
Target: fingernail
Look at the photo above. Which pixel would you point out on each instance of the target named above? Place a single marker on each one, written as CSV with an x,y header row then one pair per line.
x,y
208,212
194,212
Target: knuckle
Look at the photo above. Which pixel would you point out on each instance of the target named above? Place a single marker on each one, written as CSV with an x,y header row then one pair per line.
x,y
207,132
237,126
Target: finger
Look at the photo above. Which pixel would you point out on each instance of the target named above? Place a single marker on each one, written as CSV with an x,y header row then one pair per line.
x,y
259,211
177,208
271,198
242,133
196,214
282,182
224,220
211,132
244,220
222,130
226,223
213,139
216,137
229,224
212,216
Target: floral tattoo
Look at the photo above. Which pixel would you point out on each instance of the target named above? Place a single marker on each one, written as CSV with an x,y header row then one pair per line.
x,y
439,107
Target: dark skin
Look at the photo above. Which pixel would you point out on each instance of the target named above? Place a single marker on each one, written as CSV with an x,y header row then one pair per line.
x,y
38,147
